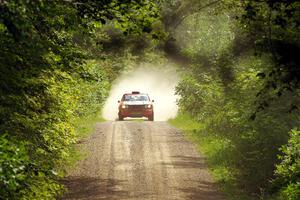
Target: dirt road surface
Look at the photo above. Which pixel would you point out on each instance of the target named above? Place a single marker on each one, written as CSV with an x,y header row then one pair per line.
x,y
140,160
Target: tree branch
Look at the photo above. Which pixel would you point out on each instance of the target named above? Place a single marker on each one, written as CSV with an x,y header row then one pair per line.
x,y
201,8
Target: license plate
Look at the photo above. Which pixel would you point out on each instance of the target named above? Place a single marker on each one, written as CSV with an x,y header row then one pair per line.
x,y
136,113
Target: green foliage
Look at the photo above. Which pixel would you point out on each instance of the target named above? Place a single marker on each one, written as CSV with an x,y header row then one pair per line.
x,y
53,73
18,173
273,29
132,16
185,122
50,134
288,170
208,34
13,160
199,95
218,152
242,88
226,117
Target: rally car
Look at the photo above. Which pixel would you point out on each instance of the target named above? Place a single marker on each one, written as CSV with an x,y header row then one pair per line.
x,y
136,105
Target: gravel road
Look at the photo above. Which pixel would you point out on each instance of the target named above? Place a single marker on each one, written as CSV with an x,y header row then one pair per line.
x,y
140,160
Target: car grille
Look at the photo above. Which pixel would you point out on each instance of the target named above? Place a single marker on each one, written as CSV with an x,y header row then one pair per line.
x,y
136,107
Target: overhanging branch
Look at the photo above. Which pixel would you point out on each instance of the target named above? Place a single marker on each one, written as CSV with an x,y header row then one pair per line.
x,y
201,8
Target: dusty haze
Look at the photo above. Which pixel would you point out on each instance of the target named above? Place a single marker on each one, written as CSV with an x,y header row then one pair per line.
x,y
159,83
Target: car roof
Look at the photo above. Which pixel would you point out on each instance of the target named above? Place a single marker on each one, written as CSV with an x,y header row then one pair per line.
x,y
135,94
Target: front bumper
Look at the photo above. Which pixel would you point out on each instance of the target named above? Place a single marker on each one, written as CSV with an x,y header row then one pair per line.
x,y
135,113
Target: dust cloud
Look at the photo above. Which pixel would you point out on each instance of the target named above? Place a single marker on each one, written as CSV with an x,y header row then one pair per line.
x,y
158,83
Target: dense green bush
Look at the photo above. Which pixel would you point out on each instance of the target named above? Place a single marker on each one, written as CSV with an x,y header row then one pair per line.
x,y
49,132
53,72
241,87
288,170
13,159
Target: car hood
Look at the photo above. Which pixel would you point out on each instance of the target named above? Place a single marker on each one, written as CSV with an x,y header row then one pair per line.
x,y
137,102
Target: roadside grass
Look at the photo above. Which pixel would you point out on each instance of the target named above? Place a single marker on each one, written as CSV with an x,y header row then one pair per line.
x,y
84,126
218,153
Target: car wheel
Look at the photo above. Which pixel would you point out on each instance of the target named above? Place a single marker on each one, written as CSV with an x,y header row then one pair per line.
x,y
121,118
151,118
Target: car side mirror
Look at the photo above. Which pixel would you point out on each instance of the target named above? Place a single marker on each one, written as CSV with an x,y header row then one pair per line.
x,y
152,100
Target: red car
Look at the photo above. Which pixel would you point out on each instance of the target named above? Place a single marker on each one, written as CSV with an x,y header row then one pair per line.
x,y
136,104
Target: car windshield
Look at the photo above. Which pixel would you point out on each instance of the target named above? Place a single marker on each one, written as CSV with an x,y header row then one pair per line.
x,y
136,98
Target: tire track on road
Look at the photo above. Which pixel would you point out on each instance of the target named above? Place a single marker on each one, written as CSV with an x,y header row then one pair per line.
x,y
140,160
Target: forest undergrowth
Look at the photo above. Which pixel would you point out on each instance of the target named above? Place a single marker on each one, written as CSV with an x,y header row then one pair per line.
x,y
240,84
240,93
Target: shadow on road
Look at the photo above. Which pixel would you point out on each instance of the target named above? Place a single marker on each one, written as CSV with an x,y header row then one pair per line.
x,y
94,188
140,161
186,162
203,191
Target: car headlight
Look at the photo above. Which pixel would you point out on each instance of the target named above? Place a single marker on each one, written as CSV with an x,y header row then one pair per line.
x,y
124,106
148,106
